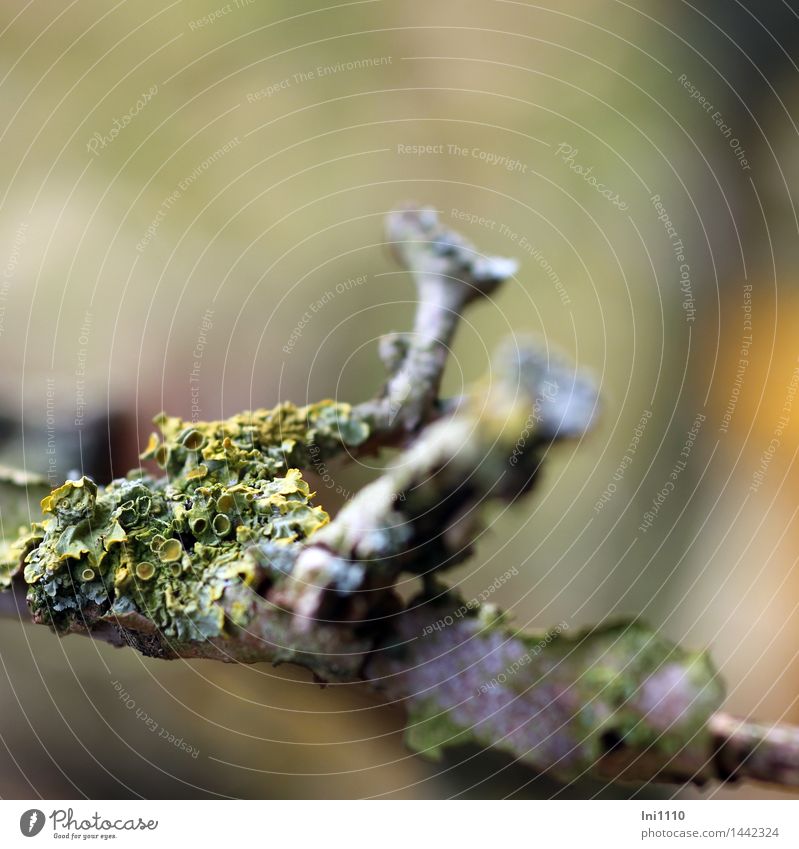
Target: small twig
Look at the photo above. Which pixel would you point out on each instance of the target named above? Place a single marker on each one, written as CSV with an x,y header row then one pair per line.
x,y
754,750
449,274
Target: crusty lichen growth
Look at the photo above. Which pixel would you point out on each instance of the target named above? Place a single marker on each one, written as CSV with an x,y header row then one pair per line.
x,y
560,702
164,550
222,558
262,442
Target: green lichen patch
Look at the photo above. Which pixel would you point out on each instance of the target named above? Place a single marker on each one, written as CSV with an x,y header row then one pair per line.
x,y
556,700
636,690
13,553
20,494
428,732
261,443
164,551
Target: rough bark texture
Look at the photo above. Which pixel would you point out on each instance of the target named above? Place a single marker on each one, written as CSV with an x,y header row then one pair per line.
x,y
227,558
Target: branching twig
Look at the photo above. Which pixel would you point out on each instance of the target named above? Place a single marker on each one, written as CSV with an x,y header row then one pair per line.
x,y
617,701
449,274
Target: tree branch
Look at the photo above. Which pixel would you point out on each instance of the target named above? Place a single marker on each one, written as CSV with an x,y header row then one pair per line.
x,y
227,558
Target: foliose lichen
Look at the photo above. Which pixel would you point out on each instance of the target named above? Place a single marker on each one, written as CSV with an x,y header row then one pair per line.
x,y
262,442
162,551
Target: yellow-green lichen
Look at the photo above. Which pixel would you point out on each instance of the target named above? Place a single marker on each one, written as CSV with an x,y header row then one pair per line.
x,y
166,549
612,688
261,442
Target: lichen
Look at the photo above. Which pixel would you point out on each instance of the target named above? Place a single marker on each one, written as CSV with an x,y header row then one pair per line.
x,y
20,494
163,551
557,701
261,442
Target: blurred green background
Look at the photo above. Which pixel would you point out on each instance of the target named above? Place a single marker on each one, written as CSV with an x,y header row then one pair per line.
x,y
182,181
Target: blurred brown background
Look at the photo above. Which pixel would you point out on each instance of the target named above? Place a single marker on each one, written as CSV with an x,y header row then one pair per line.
x,y
182,181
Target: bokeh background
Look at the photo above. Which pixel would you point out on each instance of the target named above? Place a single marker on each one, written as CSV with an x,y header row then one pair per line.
x,y
181,181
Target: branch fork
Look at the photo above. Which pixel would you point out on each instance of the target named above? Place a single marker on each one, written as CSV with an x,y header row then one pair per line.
x,y
618,701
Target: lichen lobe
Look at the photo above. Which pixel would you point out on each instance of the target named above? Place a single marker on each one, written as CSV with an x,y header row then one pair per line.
x,y
158,554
